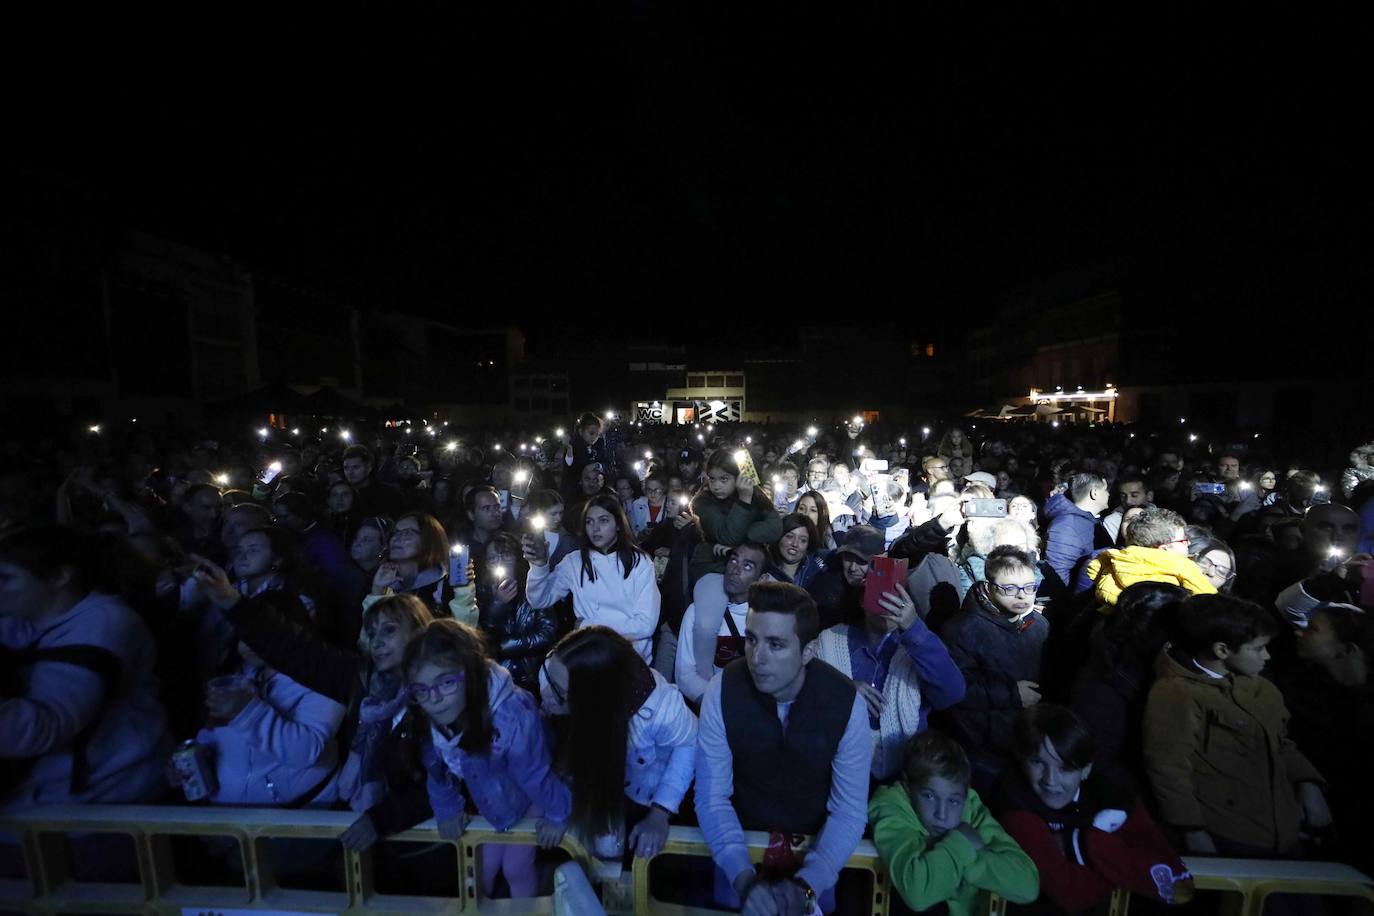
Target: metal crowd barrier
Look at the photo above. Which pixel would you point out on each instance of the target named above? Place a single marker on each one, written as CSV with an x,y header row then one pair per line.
x,y
1249,882
688,841
51,889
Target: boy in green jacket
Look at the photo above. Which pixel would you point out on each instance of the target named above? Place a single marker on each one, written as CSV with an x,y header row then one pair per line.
x,y
939,842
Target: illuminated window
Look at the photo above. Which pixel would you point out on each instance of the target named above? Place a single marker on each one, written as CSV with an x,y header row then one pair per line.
x,y
930,349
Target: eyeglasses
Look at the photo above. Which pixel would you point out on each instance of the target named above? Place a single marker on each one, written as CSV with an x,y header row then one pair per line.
x,y
559,696
1016,591
1184,541
1207,565
445,686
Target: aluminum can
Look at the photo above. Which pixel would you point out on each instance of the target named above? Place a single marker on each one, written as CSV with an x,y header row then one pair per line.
x,y
192,762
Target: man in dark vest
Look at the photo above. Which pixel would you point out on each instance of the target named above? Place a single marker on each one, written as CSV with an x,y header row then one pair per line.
x,y
783,747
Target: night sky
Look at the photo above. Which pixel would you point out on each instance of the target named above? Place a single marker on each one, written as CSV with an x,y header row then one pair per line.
x,y
646,167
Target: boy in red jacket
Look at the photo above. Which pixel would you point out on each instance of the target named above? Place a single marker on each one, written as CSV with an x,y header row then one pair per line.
x,y
1086,837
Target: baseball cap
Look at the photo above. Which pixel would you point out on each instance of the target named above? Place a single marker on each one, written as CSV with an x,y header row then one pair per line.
x,y
862,541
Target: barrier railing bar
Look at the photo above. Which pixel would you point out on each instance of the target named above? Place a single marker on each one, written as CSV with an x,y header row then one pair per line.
x,y
688,841
50,888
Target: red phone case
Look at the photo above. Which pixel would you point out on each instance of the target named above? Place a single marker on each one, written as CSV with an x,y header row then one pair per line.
x,y
884,577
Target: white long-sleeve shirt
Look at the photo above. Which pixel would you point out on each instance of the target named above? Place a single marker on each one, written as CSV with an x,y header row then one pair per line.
x,y
277,748
847,805
627,604
685,673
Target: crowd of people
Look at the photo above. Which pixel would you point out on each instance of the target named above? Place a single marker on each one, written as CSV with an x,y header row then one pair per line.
x,y
1034,661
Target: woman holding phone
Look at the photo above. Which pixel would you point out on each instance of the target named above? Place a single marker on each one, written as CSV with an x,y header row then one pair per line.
x,y
417,563
610,579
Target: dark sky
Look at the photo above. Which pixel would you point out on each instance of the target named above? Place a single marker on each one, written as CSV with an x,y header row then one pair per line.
x,y
723,165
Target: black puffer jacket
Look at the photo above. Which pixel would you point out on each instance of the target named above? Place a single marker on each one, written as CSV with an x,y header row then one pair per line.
x,y
520,635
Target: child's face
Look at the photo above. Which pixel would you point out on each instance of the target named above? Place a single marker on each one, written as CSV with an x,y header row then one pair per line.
x,y
1054,783
1250,658
444,700
940,805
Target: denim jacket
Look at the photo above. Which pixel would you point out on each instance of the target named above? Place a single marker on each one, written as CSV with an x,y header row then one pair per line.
x,y
660,755
508,779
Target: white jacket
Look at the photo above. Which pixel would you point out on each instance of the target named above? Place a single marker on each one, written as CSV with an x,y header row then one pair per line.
x,y
126,752
279,747
628,605
660,754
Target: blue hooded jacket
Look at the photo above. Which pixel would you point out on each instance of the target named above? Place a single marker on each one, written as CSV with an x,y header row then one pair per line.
x,y
1070,538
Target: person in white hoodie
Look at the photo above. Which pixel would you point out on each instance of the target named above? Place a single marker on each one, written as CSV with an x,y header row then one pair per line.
x,y
610,579
272,740
631,741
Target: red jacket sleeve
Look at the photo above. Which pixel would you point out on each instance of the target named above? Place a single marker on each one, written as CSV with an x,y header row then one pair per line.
x,y
1071,887
1124,857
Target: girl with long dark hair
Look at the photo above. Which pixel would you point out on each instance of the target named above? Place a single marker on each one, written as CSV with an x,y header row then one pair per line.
x,y
610,579
630,746
485,741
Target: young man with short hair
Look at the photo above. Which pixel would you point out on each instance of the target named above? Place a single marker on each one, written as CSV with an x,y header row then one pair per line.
x,y
1074,533
776,711
374,497
1133,491
712,631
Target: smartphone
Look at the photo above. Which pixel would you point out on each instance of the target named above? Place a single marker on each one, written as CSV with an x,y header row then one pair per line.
x,y
458,565
873,464
747,470
1202,488
985,508
780,495
884,575
270,474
